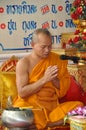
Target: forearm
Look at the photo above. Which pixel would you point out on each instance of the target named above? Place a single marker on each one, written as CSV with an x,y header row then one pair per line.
x,y
32,88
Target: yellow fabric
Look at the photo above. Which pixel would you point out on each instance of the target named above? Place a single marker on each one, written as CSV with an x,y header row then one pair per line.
x,y
7,87
47,98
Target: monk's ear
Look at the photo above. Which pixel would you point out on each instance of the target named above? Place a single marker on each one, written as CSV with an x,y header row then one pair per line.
x,y
32,44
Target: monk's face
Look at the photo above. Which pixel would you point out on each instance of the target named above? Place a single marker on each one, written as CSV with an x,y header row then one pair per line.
x,y
43,45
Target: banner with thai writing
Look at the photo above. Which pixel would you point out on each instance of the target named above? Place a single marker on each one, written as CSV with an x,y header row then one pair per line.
x,y
19,19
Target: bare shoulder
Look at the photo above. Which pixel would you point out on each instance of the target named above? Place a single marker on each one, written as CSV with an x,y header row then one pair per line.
x,y
23,62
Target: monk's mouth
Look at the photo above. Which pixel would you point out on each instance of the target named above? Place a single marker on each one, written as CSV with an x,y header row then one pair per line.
x,y
46,54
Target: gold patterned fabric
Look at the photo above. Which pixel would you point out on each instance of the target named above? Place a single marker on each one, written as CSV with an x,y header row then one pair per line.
x,y
9,64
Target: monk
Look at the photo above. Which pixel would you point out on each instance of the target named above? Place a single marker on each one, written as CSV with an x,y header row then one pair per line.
x,y
42,79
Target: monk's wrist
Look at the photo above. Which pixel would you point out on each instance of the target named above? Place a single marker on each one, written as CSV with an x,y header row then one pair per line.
x,y
56,82
43,80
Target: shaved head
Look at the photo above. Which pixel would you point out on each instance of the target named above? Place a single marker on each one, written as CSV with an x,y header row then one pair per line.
x,y
40,31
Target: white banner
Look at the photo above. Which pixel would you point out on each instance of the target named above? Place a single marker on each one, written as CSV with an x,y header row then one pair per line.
x,y
19,18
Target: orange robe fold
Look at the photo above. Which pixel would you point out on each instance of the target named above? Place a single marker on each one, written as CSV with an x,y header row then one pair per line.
x,y
45,103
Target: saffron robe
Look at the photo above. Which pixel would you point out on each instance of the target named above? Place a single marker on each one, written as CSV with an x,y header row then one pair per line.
x,y
45,103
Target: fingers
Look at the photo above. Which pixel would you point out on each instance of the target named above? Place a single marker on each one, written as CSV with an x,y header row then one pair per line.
x,y
51,73
53,67
53,70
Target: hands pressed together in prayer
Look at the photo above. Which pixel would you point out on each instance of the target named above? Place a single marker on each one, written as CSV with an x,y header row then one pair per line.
x,y
51,74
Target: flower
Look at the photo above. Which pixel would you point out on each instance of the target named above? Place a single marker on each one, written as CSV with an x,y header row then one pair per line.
x,y
78,9
79,40
78,111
